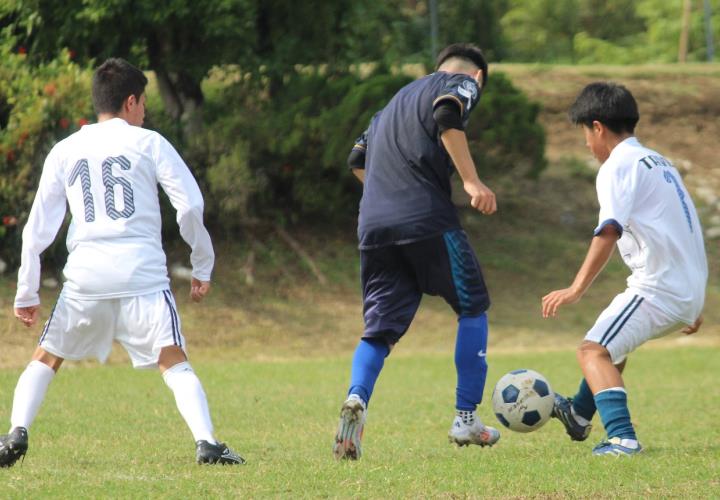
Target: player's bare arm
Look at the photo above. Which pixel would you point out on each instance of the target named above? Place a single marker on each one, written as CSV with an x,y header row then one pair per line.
x,y
359,173
199,289
689,330
481,197
601,249
27,315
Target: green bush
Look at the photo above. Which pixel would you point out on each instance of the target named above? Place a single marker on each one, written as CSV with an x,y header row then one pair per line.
x,y
39,105
504,133
283,157
264,157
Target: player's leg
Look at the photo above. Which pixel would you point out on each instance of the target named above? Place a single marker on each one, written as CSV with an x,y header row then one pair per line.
x,y
60,339
628,322
447,266
150,331
605,381
390,301
29,395
576,412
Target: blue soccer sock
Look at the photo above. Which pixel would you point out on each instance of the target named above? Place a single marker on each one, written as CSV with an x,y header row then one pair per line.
x,y
584,402
613,409
470,350
367,363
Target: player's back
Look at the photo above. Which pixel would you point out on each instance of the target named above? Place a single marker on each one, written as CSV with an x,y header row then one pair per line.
x,y
663,240
109,172
407,192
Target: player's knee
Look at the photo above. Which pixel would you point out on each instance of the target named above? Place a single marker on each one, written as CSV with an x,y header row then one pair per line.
x,y
48,359
588,351
171,356
175,371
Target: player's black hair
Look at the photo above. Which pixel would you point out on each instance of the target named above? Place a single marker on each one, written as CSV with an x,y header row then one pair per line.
x,y
466,51
609,103
113,82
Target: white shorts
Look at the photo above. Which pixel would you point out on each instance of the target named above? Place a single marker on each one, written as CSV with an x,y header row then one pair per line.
x,y
628,322
80,329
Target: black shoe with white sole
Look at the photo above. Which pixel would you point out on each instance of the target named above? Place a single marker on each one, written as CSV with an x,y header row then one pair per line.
x,y
208,453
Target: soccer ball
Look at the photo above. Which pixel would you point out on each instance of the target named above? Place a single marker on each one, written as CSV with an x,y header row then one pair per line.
x,y
523,400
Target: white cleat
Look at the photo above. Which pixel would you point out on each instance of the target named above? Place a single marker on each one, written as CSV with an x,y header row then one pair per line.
x,y
463,434
350,429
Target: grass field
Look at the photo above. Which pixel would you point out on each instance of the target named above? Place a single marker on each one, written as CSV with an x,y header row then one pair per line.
x,y
114,432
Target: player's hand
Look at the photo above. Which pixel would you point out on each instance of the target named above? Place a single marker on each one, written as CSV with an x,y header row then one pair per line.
x,y
553,300
27,315
199,289
689,330
481,197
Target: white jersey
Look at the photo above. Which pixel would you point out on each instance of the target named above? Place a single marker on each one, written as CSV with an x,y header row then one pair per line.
x,y
641,193
108,174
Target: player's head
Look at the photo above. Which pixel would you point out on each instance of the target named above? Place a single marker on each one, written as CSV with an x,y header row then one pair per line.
x,y
607,103
463,56
608,113
118,88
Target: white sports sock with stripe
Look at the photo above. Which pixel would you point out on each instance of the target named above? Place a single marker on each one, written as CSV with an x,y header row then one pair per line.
x,y
30,393
191,400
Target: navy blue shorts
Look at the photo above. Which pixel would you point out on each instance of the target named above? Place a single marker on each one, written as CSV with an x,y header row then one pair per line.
x,y
394,279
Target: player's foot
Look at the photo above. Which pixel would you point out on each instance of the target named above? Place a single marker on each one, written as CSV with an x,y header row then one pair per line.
x,y
350,429
13,446
617,447
208,453
562,410
463,434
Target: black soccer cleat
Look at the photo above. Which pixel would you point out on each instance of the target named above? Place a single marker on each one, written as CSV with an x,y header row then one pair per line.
x,y
13,446
207,453
562,410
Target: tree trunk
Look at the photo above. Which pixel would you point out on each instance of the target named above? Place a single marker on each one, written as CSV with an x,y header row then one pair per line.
x,y
180,92
684,32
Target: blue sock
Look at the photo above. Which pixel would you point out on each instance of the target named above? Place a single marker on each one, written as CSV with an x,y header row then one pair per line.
x,y
470,350
583,402
613,409
367,362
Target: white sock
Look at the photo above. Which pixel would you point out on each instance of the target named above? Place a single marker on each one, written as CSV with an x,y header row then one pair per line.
x,y
30,393
629,443
191,400
468,416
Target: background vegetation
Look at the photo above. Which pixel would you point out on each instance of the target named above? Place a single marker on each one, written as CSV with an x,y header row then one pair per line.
x,y
263,98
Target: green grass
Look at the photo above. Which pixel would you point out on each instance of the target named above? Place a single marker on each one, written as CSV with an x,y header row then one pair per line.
x,y
112,431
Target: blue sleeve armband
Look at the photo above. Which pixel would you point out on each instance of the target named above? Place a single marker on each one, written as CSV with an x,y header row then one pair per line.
x,y
609,222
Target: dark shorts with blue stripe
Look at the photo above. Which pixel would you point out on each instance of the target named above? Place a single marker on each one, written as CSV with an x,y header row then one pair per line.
x,y
394,279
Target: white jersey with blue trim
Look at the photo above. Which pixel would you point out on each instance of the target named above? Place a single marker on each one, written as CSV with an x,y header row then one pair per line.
x,y
108,174
643,196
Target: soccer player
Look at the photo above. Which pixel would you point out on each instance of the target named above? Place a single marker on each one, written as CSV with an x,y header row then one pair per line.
x,y
411,241
116,282
646,211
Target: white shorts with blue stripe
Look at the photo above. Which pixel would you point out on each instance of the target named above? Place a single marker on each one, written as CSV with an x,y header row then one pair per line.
x,y
81,329
628,322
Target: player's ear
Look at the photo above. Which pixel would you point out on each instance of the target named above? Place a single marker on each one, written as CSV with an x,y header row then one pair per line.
x,y
597,127
130,102
479,77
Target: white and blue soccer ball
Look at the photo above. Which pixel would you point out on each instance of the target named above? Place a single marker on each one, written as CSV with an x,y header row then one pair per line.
x,y
523,400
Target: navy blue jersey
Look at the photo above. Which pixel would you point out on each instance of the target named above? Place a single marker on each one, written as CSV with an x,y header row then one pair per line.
x,y
406,193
